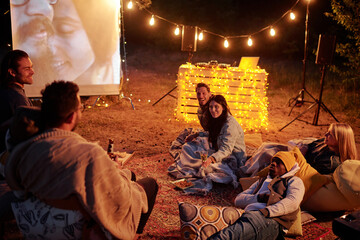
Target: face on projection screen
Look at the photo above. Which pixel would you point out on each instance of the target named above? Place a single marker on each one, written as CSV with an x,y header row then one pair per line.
x,y
72,40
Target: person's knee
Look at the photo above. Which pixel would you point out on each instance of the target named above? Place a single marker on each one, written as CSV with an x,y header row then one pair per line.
x,y
149,183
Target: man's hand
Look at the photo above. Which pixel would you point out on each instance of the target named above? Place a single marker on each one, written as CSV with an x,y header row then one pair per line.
x,y
191,137
263,197
208,161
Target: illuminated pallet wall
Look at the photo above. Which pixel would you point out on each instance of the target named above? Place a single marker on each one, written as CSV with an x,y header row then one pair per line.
x,y
244,91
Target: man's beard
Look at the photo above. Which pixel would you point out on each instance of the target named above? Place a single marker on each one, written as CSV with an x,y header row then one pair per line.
x,y
39,51
37,25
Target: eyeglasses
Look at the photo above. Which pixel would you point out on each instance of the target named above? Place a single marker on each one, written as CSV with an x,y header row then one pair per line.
x,y
23,2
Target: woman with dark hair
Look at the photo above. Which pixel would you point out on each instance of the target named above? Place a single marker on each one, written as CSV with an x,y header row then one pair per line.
x,y
215,157
226,136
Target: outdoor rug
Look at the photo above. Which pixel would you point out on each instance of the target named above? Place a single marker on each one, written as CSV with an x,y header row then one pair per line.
x,y
313,231
164,222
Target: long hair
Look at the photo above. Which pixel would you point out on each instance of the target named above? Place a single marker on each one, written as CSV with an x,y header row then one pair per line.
x,y
215,124
59,99
344,136
10,61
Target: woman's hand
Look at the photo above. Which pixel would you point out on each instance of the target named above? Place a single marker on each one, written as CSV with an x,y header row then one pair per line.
x,y
208,161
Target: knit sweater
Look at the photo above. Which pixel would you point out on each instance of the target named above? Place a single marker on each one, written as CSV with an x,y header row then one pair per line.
x,y
58,163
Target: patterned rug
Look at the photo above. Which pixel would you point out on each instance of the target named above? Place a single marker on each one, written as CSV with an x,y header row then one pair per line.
x,y
313,231
164,222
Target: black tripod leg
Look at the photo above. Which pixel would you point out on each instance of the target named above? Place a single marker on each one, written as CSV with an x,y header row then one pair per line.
x,y
310,107
328,110
165,95
293,101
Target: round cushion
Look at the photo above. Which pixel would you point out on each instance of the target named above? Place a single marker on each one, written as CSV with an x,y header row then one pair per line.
x,y
347,179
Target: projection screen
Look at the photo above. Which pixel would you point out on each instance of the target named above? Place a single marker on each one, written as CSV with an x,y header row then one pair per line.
x,y
72,40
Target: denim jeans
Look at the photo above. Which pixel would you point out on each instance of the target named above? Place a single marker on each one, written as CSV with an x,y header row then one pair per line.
x,y
250,226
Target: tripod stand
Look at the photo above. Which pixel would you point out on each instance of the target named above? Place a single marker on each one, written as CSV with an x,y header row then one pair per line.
x,y
317,103
298,101
190,55
168,93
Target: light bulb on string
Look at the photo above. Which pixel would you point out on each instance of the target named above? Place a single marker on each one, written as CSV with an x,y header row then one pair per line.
x,y
201,36
177,30
250,42
226,43
130,5
152,21
292,16
272,32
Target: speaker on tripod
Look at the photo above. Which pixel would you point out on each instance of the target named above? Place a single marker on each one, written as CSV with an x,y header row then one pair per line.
x,y
325,50
324,56
189,40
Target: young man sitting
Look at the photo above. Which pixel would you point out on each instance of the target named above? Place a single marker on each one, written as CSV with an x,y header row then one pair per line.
x,y
271,204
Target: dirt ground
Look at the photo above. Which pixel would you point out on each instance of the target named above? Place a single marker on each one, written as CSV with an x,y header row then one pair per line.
x,y
135,124
149,129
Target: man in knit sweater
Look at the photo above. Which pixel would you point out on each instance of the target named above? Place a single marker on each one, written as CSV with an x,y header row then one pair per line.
x,y
271,204
61,169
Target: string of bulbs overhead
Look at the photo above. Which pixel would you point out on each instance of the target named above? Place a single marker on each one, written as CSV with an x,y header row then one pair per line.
x,y
200,37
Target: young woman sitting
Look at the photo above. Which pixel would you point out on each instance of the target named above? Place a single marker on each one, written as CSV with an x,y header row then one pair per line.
x,y
217,156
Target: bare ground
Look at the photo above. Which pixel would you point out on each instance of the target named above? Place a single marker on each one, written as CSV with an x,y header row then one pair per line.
x,y
149,130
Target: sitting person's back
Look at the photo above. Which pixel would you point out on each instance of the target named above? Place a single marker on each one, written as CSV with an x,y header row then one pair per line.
x,y
58,163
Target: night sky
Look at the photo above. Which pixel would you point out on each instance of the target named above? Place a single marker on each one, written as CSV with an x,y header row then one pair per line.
x,y
231,18
224,17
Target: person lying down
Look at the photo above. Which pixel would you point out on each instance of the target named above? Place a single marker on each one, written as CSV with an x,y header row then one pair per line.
x,y
324,154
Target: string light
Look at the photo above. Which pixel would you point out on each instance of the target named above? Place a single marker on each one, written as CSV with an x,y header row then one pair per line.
x,y
130,5
250,42
177,30
201,36
226,43
152,21
272,32
292,16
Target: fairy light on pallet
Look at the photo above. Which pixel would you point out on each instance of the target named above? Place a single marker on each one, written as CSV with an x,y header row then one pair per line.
x,y
243,89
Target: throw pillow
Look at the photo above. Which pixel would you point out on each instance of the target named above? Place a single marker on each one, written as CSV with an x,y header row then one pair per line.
x,y
200,222
302,218
296,228
246,182
312,180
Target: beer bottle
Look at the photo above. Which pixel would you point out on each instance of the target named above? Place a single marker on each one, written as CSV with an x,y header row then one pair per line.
x,y
110,149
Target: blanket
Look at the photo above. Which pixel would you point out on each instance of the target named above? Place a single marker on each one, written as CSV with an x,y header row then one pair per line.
x,y
188,162
261,157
